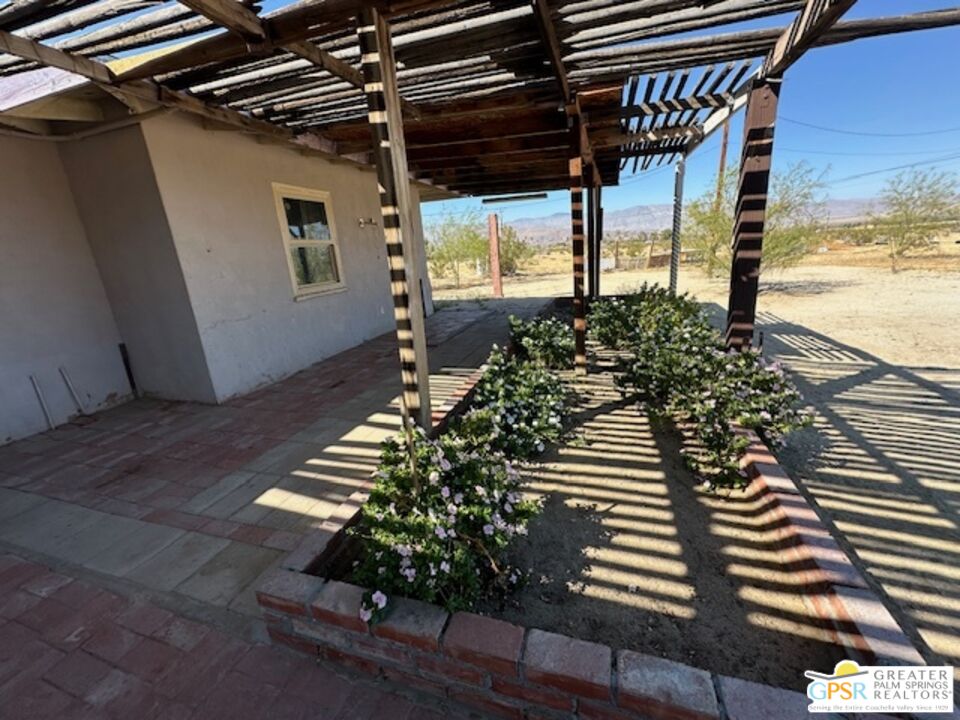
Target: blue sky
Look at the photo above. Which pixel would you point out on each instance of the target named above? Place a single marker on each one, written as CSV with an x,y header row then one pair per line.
x,y
885,85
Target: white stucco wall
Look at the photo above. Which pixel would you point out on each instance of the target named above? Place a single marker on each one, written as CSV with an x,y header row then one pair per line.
x,y
53,309
118,199
217,191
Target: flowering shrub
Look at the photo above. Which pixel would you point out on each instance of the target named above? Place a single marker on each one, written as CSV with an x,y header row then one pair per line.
x,y
546,341
438,538
518,406
616,322
676,364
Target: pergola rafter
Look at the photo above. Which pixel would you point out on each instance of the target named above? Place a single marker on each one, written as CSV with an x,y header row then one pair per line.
x,y
511,96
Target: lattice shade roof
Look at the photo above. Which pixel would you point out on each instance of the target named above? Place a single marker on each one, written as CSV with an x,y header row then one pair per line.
x,y
486,86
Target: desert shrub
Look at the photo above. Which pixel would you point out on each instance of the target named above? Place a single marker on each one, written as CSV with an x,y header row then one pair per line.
x,y
675,364
614,322
440,538
437,533
517,408
547,341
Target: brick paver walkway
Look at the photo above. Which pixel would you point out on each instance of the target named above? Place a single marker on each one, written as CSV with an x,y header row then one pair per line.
x,y
192,503
70,650
134,539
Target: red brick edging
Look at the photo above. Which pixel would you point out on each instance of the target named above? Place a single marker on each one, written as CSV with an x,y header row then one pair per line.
x,y
515,672
840,595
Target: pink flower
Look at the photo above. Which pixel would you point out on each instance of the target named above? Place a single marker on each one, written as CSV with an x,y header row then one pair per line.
x,y
366,614
379,599
445,491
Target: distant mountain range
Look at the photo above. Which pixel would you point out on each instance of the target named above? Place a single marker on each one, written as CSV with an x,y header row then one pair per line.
x,y
551,229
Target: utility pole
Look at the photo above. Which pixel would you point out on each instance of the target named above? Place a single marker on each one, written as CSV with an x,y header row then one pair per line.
x,y
722,169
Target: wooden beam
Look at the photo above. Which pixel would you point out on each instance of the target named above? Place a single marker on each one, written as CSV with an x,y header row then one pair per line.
x,y
615,137
816,18
403,245
153,92
548,33
751,211
246,23
50,57
231,15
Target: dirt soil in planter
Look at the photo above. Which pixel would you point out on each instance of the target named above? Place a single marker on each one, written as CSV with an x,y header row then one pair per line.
x,y
631,552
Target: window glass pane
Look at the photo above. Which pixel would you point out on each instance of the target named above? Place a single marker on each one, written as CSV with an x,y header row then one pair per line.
x,y
307,219
314,265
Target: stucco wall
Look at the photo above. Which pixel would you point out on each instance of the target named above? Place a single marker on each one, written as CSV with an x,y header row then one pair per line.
x,y
118,199
53,309
217,190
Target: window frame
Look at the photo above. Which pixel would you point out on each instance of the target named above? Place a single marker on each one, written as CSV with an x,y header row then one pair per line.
x,y
283,192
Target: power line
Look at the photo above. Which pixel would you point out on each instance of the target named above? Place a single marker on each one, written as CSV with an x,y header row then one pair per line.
x,y
861,154
895,167
865,133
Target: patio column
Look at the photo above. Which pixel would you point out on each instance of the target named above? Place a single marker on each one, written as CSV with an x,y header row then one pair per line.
x,y
591,210
599,239
404,248
576,219
677,217
751,210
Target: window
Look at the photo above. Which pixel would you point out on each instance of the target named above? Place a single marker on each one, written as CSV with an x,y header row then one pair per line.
x,y
310,239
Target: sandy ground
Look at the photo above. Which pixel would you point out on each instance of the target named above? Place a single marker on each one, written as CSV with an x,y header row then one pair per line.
x,y
877,355
631,553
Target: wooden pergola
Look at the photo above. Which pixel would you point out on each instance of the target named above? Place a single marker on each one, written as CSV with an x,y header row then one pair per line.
x,y
465,97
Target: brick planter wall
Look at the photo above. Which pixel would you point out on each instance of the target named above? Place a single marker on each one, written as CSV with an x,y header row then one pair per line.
x,y
506,670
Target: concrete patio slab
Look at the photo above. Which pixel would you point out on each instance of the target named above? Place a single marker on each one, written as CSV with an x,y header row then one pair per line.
x,y
227,573
122,558
178,561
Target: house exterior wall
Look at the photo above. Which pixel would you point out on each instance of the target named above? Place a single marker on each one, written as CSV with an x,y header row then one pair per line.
x,y
118,199
217,191
53,308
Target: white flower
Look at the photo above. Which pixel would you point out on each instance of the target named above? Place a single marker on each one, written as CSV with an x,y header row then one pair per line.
x,y
458,498
434,477
445,464
366,614
379,599
508,507
445,566
488,529
441,533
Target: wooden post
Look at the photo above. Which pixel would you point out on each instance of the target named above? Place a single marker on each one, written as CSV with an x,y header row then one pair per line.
x,y
576,220
677,217
599,234
591,211
751,210
403,247
493,227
